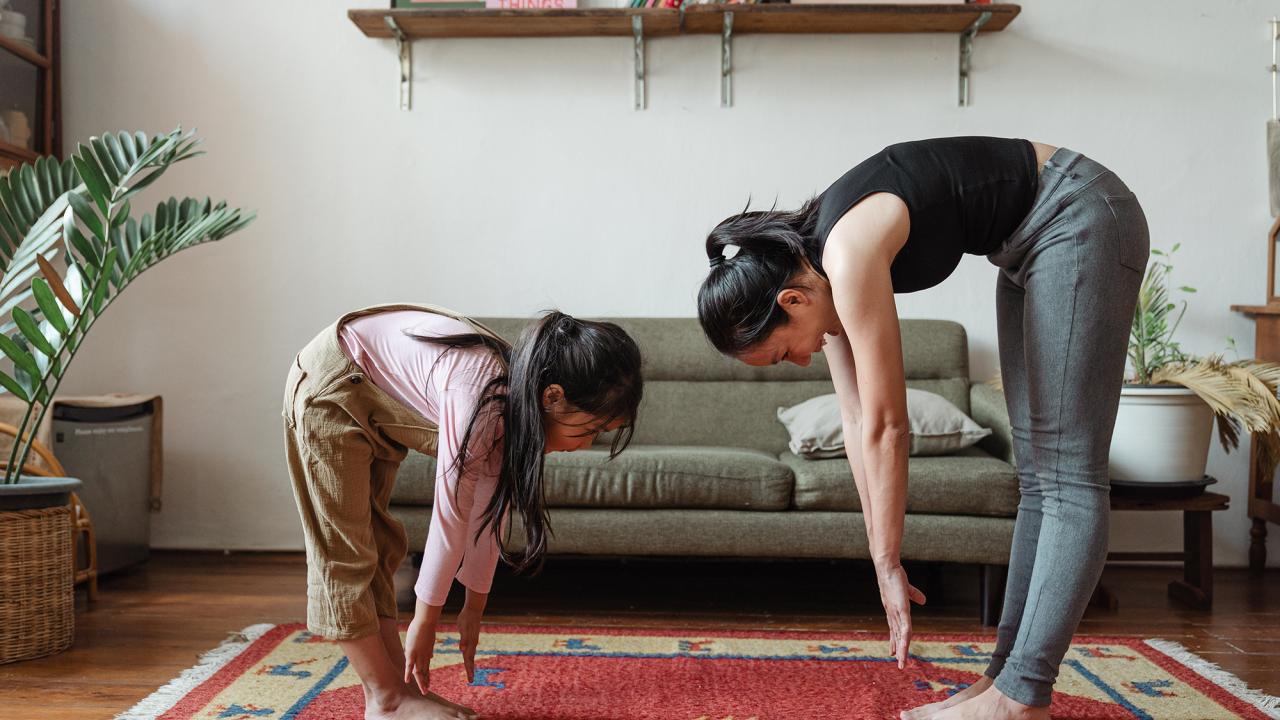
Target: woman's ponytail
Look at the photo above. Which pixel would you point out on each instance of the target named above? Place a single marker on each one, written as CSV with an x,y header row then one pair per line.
x,y
736,303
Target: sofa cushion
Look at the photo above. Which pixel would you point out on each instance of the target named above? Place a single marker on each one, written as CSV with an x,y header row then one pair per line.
x,y
643,477
658,476
937,426
416,480
971,482
734,413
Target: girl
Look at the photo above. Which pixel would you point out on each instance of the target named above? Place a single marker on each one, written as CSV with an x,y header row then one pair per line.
x,y
382,381
1071,244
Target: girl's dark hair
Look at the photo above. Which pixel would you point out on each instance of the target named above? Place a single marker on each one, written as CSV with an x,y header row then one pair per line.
x,y
596,363
737,304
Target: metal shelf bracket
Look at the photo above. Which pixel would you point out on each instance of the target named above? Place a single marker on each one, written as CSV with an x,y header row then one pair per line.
x,y
637,34
966,52
405,48
726,61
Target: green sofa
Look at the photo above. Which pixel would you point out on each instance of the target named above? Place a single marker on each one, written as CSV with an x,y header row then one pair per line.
x,y
709,473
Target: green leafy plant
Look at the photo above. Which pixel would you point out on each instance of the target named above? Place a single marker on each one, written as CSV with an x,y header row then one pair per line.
x,y
1151,343
1241,393
69,246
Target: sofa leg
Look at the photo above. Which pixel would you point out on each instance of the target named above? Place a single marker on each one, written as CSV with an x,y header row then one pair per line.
x,y
991,593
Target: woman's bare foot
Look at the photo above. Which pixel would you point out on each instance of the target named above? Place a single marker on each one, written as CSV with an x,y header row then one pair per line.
x,y
924,712
991,704
413,707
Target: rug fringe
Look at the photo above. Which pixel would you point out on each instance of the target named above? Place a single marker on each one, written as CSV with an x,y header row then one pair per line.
x,y
159,702
1268,704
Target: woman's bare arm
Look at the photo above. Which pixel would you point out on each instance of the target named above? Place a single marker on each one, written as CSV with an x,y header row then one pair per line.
x,y
857,260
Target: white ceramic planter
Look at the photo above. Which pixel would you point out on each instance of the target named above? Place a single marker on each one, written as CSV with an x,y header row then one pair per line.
x,y
1162,435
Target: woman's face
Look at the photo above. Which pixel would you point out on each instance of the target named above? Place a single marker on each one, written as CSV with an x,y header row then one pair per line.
x,y
567,428
811,317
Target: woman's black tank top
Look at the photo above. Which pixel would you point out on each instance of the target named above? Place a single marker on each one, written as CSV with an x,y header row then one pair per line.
x,y
964,195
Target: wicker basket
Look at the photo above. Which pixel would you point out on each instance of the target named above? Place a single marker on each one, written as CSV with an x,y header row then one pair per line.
x,y
37,566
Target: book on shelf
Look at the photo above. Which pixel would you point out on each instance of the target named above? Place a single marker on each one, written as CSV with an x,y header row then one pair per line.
x,y
678,3
531,4
438,4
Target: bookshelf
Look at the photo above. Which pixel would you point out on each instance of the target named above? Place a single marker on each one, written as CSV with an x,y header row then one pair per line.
x,y
29,92
407,26
783,18
584,22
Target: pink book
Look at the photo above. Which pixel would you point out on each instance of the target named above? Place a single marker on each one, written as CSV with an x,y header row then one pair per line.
x,y
531,4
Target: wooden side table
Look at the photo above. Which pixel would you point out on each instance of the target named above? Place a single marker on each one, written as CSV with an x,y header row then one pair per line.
x,y
1262,507
1196,588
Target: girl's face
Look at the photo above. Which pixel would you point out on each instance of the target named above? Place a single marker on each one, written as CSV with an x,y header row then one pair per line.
x,y
567,428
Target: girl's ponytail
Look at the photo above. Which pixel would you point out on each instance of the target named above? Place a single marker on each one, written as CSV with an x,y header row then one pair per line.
x,y
598,366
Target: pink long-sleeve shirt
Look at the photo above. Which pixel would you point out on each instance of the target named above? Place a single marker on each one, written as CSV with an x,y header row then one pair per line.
x,y
444,387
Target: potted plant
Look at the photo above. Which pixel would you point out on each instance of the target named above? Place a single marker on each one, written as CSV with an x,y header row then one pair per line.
x,y
69,246
1168,405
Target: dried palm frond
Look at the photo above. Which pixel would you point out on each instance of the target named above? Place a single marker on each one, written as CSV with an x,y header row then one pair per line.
x,y
1242,396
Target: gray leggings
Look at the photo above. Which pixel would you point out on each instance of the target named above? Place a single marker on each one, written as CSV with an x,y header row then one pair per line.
x,y
1067,287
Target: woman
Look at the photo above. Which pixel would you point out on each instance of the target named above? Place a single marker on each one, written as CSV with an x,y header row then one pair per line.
x,y
382,381
1071,244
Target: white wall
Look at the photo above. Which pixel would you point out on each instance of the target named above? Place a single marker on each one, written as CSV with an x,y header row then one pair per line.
x,y
523,179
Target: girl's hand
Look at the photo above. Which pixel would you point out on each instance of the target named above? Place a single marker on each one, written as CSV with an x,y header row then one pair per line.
x,y
419,645
897,594
469,631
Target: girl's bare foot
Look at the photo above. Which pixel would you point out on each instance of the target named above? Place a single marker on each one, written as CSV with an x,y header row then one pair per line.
x,y
412,689
924,712
991,704
467,712
413,707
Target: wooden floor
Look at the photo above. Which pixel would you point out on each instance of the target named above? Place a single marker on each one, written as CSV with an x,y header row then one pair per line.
x,y
152,622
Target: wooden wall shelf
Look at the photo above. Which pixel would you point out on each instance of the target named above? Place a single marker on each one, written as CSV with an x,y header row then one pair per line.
x,y
405,26
698,19
585,22
781,18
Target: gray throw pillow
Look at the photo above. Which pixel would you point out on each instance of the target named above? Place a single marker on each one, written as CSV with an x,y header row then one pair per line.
x,y
937,426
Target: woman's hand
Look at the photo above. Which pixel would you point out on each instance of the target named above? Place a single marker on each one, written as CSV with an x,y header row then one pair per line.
x,y
469,630
419,645
897,594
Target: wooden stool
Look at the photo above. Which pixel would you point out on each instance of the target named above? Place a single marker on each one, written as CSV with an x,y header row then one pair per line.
x,y
1196,588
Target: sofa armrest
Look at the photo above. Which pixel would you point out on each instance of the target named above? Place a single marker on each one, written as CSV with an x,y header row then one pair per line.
x,y
989,411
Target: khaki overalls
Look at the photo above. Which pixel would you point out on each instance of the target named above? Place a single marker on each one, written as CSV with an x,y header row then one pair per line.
x,y
345,439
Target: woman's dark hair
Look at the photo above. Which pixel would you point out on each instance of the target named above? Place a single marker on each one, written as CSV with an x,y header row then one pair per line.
x,y
737,303
598,366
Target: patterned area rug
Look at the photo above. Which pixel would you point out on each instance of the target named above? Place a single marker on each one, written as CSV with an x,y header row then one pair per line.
x,y
284,673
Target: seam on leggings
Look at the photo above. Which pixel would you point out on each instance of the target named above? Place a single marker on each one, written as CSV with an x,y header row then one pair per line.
x,y
1081,188
1062,389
